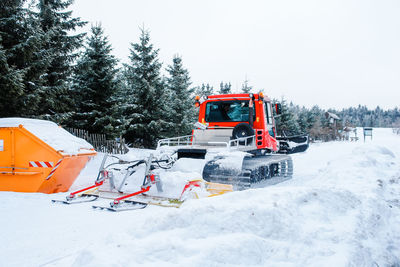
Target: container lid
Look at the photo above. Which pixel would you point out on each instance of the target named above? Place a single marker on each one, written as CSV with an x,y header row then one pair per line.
x,y
52,134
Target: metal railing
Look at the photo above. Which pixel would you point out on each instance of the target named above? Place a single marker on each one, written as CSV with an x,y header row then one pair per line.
x,y
176,141
189,140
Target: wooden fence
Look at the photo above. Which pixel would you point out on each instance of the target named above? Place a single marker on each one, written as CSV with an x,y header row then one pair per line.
x,y
100,143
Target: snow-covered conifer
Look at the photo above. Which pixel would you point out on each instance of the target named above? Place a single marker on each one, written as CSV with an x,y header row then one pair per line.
x,y
58,24
95,86
225,88
286,122
11,87
22,41
204,90
144,109
246,88
181,100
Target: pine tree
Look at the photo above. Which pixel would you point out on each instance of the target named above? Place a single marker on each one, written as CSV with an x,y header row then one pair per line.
x,y
302,120
286,123
314,125
246,88
204,90
123,99
95,84
57,24
37,60
314,115
225,88
12,32
11,87
22,41
144,109
181,101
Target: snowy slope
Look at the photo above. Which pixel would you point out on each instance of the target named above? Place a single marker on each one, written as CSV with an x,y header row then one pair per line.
x,y
342,208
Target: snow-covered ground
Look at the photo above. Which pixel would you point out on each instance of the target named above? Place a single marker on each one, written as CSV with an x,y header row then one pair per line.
x,y
342,208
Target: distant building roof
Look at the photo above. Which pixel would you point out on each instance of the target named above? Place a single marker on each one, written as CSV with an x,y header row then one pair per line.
x,y
331,115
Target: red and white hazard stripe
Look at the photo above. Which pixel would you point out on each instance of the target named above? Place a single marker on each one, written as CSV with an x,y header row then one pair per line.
x,y
54,169
41,164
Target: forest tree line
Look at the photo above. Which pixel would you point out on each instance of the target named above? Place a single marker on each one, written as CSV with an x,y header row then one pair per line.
x,y
314,122
48,71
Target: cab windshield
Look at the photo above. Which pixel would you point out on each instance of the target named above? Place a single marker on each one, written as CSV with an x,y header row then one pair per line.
x,y
228,111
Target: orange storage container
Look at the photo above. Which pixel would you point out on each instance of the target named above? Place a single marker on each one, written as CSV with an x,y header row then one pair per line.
x,y
39,156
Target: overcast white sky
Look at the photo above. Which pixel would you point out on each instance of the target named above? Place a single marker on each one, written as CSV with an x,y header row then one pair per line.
x,y
336,53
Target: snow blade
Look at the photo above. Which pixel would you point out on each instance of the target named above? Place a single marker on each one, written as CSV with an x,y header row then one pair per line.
x,y
293,144
123,205
81,199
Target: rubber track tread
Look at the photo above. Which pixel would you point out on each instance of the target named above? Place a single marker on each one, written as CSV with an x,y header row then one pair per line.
x,y
256,171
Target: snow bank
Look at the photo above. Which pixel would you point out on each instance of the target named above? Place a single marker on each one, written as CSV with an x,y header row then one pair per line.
x,y
50,133
341,208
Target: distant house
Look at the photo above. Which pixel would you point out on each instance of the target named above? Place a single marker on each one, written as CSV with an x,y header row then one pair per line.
x,y
331,117
333,125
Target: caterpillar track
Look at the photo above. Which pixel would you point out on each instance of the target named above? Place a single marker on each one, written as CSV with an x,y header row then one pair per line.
x,y
255,171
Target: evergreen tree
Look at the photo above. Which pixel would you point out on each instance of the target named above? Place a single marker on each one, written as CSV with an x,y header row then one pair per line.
x,y
146,99
286,123
225,88
57,24
181,102
204,90
124,101
313,116
37,60
11,87
95,84
12,32
246,88
302,120
22,41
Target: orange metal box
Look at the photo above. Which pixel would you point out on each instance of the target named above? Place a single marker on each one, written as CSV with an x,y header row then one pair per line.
x,y
39,156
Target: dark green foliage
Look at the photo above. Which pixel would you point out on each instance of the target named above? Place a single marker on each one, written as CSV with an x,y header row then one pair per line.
x,y
286,122
144,110
12,17
22,41
204,90
57,24
95,87
225,88
39,48
11,87
11,78
246,88
180,106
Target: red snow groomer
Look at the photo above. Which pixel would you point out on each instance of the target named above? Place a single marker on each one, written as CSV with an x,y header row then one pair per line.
x,y
239,122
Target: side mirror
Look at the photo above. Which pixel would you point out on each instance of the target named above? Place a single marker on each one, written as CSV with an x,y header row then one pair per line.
x,y
278,108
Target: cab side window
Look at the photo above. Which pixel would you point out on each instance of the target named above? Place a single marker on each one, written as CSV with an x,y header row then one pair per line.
x,y
268,114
